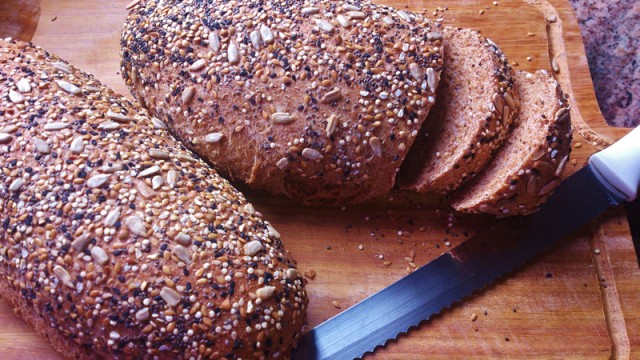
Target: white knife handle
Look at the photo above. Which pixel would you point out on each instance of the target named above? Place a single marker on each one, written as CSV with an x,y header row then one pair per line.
x,y
619,165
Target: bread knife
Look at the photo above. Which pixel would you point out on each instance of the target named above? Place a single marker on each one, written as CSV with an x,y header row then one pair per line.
x,y
611,177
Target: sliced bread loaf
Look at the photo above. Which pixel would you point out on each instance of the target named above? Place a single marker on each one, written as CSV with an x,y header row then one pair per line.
x,y
475,105
527,168
318,100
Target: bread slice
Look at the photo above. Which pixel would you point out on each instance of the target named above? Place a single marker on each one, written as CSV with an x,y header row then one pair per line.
x,y
527,168
475,105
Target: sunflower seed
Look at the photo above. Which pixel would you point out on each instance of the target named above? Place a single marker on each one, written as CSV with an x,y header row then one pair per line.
x,y
109,125
252,247
81,242
99,255
111,168
144,189
311,154
376,146
532,184
112,218
55,126
198,65
266,34
63,276
77,145
5,138
255,39
561,166
156,182
118,116
554,65
136,225
388,20
16,184
310,11
24,85
331,96
266,292
343,21
170,296
431,80
405,16
350,7
282,164
332,124
505,115
69,87
184,157
434,35
9,129
357,15
157,123
142,314
97,180
41,146
172,178
416,72
281,118
132,4
324,25
158,154
60,66
181,253
183,238
16,97
213,137
272,232
214,42
560,113
547,189
149,171
508,99
187,94
233,54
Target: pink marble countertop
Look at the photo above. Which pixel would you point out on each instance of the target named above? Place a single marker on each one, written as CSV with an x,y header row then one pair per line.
x,y
611,33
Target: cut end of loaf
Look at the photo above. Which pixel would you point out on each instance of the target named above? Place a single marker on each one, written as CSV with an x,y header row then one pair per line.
x,y
470,119
527,168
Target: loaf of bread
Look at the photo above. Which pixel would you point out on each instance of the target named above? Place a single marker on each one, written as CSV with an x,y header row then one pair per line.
x,y
116,241
316,100
475,105
524,172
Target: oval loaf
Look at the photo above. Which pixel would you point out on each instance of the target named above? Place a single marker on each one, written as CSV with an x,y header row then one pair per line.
x,y
317,100
116,242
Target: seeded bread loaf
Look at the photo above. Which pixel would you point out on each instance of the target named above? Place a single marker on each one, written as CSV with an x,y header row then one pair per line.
x,y
317,100
116,242
475,105
524,172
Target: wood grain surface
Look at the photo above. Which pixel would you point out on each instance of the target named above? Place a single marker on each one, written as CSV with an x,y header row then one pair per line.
x,y
570,303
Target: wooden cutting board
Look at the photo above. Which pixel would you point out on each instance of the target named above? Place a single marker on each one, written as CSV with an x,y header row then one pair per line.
x,y
578,301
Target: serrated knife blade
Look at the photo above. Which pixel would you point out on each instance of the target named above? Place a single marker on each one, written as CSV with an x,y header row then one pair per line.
x,y
478,261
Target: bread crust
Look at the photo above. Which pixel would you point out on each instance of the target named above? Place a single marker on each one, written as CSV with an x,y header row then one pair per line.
x,y
530,179
466,125
116,241
317,100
